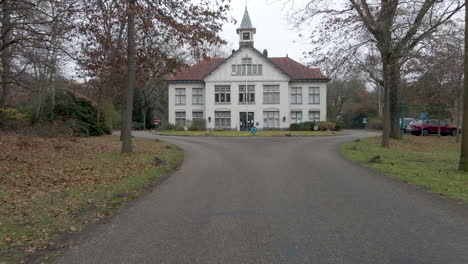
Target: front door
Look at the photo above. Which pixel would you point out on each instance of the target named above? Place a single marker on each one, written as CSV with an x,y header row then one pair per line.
x,y
246,120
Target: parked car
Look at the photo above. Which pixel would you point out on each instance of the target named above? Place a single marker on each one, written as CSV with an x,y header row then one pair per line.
x,y
407,122
431,127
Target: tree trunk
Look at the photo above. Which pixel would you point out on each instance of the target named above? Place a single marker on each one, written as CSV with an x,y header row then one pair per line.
x,y
394,87
457,117
127,131
464,145
386,110
144,111
6,55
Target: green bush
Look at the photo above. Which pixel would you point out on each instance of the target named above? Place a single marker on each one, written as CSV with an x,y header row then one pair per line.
x,y
295,127
166,127
138,126
198,125
375,123
82,113
326,125
12,118
179,128
307,126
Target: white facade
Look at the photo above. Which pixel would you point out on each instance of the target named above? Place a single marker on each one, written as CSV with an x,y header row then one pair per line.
x,y
300,100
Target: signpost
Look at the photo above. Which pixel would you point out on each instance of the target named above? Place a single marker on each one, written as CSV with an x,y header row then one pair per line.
x,y
422,117
253,130
156,121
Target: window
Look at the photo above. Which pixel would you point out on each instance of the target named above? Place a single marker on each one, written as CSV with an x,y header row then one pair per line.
x,y
222,94
314,95
247,96
271,119
314,116
246,60
271,94
296,95
296,117
180,96
197,96
180,118
222,119
197,115
247,68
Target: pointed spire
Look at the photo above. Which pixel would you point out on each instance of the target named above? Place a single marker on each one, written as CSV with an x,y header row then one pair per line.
x,y
246,22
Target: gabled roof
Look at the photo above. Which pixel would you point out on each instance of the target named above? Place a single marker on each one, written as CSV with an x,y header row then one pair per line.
x,y
293,69
198,71
296,70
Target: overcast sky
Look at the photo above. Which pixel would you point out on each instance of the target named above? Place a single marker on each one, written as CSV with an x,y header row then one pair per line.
x,y
273,31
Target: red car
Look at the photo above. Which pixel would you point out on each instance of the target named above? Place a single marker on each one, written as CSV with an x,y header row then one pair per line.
x,y
432,127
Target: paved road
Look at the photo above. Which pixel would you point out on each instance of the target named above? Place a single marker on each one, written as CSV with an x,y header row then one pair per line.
x,y
279,200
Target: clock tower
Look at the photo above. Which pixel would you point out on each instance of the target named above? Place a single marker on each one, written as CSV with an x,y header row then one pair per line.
x,y
246,31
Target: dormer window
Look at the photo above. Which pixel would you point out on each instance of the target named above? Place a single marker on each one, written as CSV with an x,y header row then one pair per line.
x,y
247,68
246,36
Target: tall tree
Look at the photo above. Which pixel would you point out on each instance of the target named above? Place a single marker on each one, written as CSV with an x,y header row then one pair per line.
x,y
464,147
131,79
394,27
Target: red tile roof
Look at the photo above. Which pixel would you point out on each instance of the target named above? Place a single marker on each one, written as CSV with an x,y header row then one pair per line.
x,y
294,69
297,70
198,71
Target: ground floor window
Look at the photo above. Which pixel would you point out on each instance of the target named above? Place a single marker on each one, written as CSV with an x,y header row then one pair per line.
x,y
271,119
296,117
222,119
314,116
180,118
197,115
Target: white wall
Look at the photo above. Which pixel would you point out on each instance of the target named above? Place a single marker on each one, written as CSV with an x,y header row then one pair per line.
x,y
188,107
271,76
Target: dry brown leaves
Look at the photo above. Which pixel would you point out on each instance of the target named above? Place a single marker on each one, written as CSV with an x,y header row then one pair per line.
x,y
32,168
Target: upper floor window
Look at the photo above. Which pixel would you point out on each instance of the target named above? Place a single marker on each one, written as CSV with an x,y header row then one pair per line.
x,y
222,94
247,68
180,96
296,95
271,94
314,95
247,95
197,96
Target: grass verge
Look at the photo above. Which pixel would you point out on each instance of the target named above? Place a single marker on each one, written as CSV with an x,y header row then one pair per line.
x,y
51,188
265,133
428,161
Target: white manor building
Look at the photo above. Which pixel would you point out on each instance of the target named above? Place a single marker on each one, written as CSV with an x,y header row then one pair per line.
x,y
247,89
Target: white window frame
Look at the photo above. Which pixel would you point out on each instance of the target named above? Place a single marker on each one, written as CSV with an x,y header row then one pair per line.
x,y
222,119
248,97
314,115
296,117
314,95
197,96
296,95
180,118
197,115
222,91
180,96
271,119
271,94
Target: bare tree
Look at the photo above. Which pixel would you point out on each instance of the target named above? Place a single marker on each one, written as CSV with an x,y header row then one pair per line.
x,y
394,27
464,147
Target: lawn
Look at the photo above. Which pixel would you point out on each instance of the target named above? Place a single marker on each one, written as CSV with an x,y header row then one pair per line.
x,y
427,161
52,187
266,133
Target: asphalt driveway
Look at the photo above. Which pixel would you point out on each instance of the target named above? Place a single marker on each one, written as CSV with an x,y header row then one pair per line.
x,y
279,200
